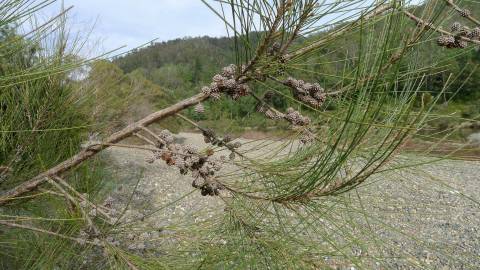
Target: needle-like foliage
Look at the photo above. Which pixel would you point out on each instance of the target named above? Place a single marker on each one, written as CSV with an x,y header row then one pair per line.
x,y
293,203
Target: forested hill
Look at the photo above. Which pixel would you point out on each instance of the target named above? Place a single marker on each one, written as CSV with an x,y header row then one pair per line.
x,y
180,67
182,64
175,62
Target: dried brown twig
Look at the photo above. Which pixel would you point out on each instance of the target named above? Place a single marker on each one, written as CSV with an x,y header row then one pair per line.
x,y
436,29
465,13
92,151
31,228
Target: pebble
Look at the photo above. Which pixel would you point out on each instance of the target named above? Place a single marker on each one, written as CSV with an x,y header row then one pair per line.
x,y
434,226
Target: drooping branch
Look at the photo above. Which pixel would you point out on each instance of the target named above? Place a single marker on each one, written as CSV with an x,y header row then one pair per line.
x,y
226,84
88,153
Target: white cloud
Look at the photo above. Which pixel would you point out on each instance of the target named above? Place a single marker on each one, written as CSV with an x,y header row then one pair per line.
x,y
134,22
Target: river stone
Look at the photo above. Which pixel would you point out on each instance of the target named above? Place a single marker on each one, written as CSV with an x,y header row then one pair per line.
x,y
474,139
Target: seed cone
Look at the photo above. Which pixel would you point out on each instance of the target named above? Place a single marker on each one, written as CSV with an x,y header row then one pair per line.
x,y
308,93
461,44
296,119
465,13
206,90
188,159
475,33
199,108
456,26
446,41
464,31
271,114
227,138
227,83
307,137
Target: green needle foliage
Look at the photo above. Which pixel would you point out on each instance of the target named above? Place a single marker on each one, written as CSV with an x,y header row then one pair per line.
x,y
297,205
41,120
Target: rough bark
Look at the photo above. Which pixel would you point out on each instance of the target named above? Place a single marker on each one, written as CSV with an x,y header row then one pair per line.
x,y
83,155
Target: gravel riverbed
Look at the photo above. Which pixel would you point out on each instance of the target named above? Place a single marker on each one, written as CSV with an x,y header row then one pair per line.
x,y
429,214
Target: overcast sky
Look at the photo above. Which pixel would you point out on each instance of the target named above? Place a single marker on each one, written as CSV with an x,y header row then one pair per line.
x,y
135,22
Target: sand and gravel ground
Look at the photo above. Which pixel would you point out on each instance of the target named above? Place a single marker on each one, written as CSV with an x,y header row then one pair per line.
x,y
430,213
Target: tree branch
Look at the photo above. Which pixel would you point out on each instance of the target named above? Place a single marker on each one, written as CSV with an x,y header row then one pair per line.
x,y
436,29
100,208
375,12
460,10
75,202
78,240
88,153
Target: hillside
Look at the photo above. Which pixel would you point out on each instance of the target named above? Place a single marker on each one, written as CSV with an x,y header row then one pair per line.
x,y
174,63
181,67
190,62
